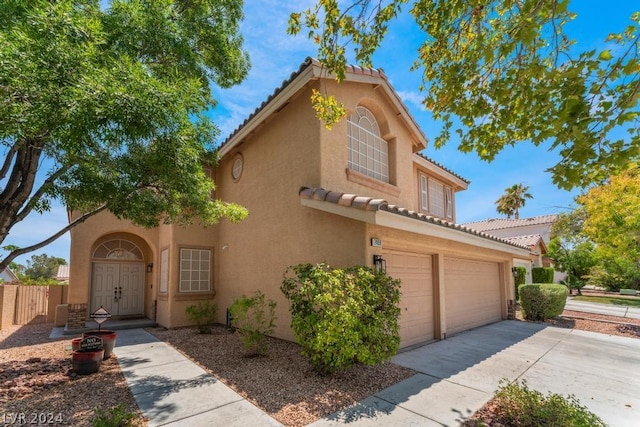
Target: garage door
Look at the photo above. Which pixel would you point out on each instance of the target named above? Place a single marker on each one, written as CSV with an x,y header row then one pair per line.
x,y
472,294
416,301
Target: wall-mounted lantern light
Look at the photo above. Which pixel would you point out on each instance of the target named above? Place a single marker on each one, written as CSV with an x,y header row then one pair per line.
x,y
149,268
514,271
379,263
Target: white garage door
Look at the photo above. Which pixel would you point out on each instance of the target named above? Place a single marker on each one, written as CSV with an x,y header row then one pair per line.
x,y
472,294
416,302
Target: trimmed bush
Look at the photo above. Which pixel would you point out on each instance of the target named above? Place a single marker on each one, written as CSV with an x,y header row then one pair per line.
x,y
542,274
341,317
203,315
519,278
517,405
542,300
254,319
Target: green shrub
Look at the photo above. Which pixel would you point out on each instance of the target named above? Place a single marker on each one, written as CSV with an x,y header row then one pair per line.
x,y
253,318
203,315
542,274
342,317
114,417
517,405
541,301
519,278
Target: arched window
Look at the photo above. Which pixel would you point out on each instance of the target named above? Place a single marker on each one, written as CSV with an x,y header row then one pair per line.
x,y
118,249
367,152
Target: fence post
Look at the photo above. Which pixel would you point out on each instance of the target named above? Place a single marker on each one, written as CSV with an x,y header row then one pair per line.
x,y
7,305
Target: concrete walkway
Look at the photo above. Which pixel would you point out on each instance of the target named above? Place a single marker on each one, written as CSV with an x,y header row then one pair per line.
x,y
173,391
607,309
455,377
458,375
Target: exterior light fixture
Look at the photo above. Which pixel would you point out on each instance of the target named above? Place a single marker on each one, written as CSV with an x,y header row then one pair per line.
x,y
149,268
379,263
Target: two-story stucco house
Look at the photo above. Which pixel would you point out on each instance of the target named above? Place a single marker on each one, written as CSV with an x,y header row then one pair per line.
x,y
344,196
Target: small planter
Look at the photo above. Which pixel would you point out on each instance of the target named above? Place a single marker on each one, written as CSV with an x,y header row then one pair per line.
x,y
87,362
108,339
75,344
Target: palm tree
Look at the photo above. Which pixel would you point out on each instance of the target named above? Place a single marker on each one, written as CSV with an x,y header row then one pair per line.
x,y
512,200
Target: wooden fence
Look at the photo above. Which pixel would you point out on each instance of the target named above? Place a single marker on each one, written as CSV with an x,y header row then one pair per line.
x,y
29,304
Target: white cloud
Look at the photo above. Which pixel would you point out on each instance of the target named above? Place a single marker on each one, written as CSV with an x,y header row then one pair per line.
x,y
412,98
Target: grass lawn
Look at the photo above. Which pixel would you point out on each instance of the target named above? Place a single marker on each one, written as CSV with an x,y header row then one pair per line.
x,y
631,302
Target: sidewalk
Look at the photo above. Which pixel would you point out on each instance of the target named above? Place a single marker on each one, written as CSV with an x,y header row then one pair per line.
x,y
606,309
171,390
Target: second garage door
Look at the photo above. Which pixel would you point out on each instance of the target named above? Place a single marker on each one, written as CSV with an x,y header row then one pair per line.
x,y
416,302
472,294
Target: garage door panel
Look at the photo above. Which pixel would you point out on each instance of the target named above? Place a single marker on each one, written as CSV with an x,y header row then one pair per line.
x,y
416,300
472,294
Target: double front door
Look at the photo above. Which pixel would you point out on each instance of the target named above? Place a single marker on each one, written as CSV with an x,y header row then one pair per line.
x,y
118,287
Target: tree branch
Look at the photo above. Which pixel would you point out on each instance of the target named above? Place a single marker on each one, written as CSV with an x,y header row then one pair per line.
x,y
7,161
21,251
36,196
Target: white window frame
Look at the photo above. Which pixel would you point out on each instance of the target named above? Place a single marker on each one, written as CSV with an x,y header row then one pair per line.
x,y
164,270
424,193
195,270
367,152
435,197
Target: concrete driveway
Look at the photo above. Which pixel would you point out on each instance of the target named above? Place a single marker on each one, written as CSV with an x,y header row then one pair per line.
x,y
457,376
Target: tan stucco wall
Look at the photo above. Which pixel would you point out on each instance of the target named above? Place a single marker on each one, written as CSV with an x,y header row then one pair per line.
x,y
279,232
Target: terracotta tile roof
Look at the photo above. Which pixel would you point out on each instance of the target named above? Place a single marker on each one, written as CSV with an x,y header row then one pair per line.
x,y
371,204
443,167
350,69
502,223
530,240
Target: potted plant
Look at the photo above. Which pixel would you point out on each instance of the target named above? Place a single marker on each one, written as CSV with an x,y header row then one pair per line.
x,y
108,339
88,358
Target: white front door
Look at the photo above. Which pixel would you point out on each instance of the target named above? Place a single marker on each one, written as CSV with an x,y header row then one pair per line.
x,y
118,287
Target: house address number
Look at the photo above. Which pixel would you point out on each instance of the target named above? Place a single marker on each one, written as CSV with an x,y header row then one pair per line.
x,y
376,243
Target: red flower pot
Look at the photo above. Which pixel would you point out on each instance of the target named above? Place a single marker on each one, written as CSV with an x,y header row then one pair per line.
x,y
87,362
108,340
75,344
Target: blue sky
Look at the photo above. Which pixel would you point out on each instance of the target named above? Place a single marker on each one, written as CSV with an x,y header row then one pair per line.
x,y
274,56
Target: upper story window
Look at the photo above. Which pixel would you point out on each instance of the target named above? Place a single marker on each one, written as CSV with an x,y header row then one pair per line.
x,y
367,152
436,198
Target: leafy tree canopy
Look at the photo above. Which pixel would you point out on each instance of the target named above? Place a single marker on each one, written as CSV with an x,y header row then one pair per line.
x,y
572,251
43,266
507,72
612,218
114,100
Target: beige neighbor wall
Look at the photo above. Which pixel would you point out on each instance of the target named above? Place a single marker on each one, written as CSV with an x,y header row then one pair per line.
x,y
96,230
279,158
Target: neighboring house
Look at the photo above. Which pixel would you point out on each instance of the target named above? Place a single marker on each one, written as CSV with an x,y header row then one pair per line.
x,y
534,232
62,275
344,196
8,276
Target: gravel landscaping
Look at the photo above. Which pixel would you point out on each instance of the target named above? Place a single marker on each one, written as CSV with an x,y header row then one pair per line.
x,y
38,386
36,378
